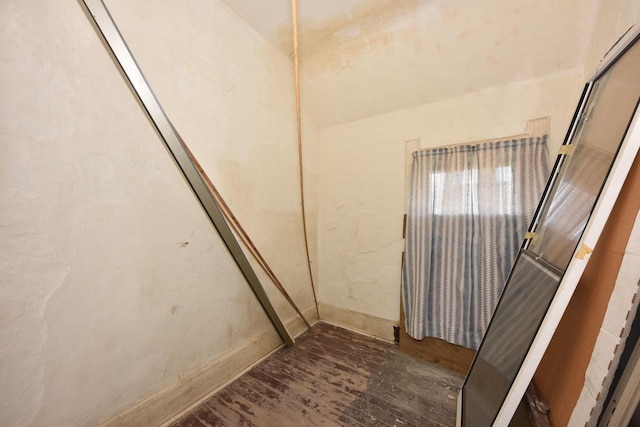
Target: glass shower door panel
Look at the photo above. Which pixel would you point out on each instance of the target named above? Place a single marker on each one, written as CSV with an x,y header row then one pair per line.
x,y
566,208
605,121
515,323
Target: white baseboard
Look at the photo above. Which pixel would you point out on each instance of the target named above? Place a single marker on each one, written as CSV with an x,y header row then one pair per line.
x,y
359,322
178,398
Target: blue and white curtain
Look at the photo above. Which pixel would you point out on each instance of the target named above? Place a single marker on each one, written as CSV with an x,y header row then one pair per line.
x,y
469,207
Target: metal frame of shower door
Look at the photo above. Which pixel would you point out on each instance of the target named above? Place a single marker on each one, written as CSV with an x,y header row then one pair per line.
x,y
596,223
612,185
553,177
110,34
604,205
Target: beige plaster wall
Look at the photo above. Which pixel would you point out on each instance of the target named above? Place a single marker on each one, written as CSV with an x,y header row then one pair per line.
x,y
381,56
362,179
113,285
612,20
443,72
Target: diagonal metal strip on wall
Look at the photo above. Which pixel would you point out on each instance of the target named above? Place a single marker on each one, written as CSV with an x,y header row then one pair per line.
x,y
109,32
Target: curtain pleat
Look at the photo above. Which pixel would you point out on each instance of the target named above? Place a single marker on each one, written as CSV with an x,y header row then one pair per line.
x,y
469,207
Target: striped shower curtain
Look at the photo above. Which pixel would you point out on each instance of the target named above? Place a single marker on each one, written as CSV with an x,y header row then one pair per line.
x,y
469,207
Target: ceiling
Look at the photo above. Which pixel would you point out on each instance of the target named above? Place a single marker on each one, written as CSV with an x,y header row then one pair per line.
x,y
361,58
273,18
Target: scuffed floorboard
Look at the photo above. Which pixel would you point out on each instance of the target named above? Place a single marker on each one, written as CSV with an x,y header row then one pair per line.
x,y
334,377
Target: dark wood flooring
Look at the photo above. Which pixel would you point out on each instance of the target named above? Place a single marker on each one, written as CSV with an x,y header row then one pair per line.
x,y
434,350
334,377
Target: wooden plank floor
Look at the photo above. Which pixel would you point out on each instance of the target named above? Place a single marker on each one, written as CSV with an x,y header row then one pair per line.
x,y
334,377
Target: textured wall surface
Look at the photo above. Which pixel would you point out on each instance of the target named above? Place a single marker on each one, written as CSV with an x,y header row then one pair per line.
x,y
362,179
395,55
113,285
443,72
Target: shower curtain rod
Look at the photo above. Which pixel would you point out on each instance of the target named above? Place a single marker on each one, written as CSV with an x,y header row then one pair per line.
x,y
479,142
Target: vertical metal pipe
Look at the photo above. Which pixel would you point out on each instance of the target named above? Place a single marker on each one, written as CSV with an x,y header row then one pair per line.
x,y
296,63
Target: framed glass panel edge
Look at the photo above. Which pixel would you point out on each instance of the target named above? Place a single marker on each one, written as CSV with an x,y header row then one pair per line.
x,y
613,183
574,271
576,122
553,176
618,49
